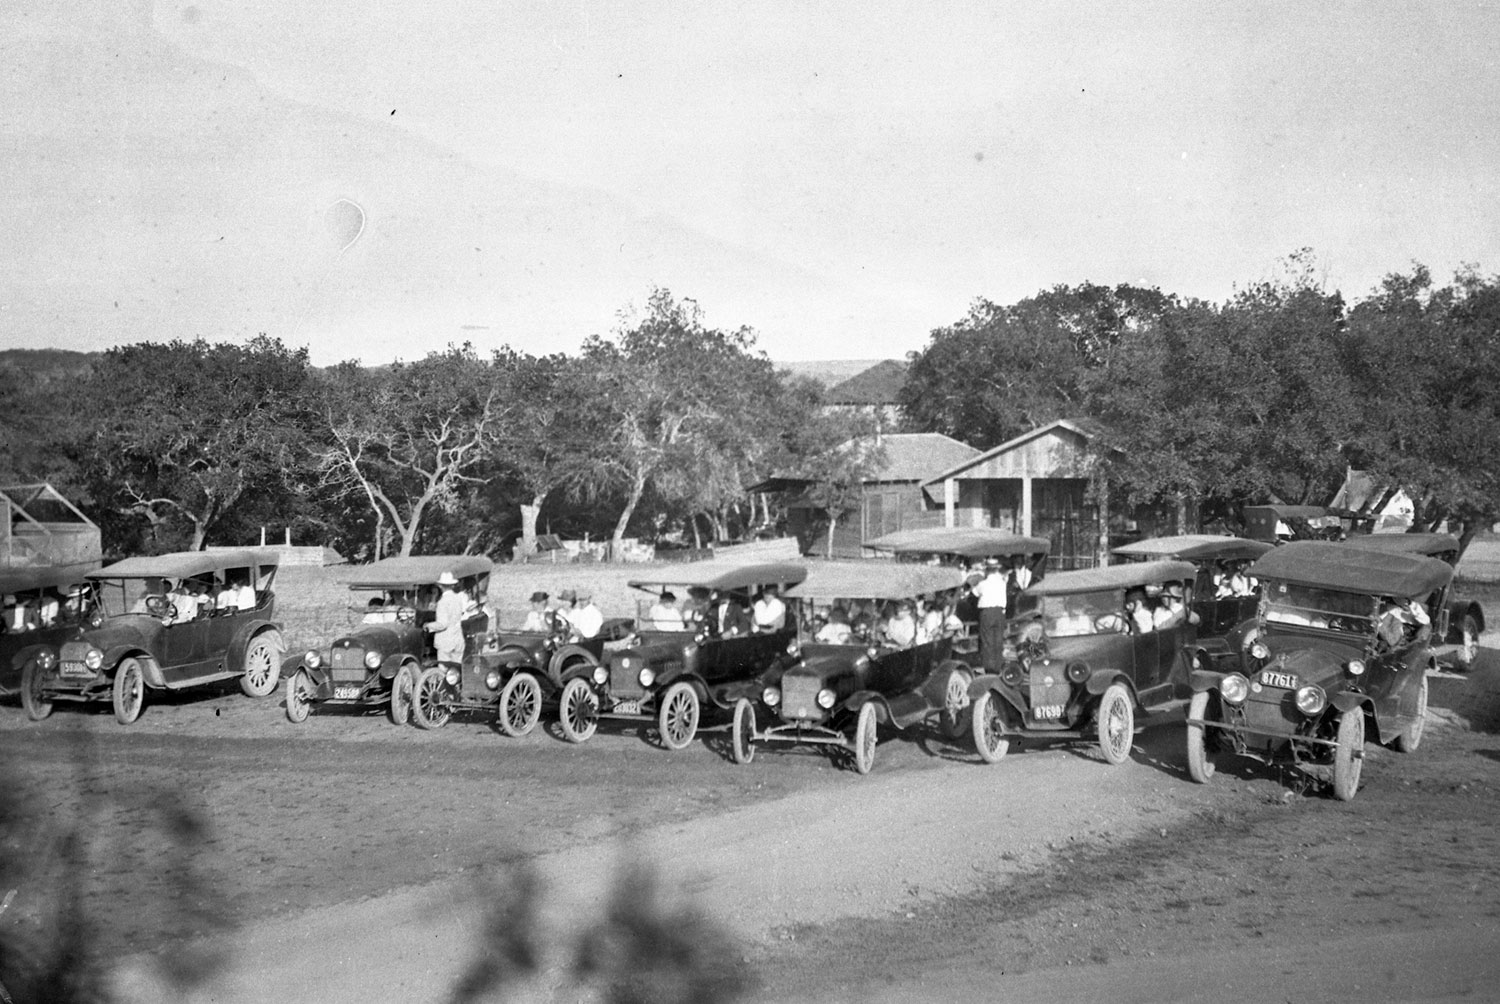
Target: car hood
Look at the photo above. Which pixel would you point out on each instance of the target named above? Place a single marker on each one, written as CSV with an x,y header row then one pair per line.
x,y
827,665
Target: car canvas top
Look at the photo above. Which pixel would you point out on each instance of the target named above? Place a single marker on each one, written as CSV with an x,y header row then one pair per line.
x,y
1089,580
1352,569
726,575
1431,544
31,577
397,573
878,581
1195,547
966,542
185,563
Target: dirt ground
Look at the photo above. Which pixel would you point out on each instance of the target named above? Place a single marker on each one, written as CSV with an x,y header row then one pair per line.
x,y
341,859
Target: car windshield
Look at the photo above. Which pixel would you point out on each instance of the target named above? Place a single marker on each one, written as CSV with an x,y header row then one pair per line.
x,y
1075,614
1324,609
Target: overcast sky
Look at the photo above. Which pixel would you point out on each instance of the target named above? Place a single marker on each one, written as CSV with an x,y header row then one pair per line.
x,y
913,157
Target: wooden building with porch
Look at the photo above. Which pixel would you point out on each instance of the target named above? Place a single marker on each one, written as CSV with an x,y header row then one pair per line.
x,y
1043,483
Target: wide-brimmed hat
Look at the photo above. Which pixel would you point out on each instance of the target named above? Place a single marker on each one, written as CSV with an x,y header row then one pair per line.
x,y
568,596
667,596
447,579
539,597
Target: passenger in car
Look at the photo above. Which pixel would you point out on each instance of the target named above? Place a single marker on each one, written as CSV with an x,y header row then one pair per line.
x,y
1138,611
1170,609
537,619
727,617
900,629
769,612
664,615
1074,620
836,631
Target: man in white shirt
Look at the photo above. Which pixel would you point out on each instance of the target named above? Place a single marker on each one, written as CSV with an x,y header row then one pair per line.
x,y
991,592
1138,611
447,624
769,612
587,620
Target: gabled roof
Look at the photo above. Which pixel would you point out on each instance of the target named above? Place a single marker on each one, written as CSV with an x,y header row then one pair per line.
x,y
917,456
1078,428
878,385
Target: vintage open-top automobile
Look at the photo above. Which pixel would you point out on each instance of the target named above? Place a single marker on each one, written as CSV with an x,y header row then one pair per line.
x,y
1340,649
1465,617
1220,608
839,693
1088,664
46,605
530,668
165,622
376,664
669,676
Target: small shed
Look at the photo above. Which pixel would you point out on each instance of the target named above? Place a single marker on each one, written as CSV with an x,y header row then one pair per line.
x,y
40,527
1040,483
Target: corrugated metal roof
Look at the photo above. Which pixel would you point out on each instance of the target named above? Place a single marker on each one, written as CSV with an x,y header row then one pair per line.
x,y
917,456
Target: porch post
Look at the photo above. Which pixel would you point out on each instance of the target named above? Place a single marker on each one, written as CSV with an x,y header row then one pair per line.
x,y
1026,505
950,490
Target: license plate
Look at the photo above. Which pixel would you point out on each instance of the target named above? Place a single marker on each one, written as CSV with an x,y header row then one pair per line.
x,y
627,708
346,693
1047,712
1271,679
75,669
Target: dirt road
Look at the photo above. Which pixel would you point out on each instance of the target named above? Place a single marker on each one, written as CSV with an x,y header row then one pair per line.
x,y
354,857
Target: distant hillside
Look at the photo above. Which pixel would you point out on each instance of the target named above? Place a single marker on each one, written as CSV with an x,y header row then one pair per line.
x,y
828,372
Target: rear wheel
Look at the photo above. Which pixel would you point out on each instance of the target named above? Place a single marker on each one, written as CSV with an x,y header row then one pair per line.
x,y
129,690
520,705
578,710
1411,736
297,703
865,739
1116,724
955,703
262,667
37,707
744,731
1200,762
1468,649
989,728
1349,757
403,691
427,705
677,717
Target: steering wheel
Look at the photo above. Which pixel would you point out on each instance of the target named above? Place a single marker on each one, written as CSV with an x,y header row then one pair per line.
x,y
157,606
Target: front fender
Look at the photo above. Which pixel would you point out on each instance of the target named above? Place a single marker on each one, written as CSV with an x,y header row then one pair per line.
x,y
1347,700
1100,680
1205,679
860,698
393,664
570,661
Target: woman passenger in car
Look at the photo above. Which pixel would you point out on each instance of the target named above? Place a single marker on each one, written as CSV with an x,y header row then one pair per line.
x,y
1138,611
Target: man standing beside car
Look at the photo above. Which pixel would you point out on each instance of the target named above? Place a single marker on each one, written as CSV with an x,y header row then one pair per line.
x,y
447,624
991,593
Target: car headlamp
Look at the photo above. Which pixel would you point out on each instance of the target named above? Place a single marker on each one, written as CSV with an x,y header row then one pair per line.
x,y
647,676
793,648
601,675
1258,650
1234,688
94,659
372,660
1011,673
312,660
452,677
826,698
1077,672
1356,667
1311,700
771,696
492,679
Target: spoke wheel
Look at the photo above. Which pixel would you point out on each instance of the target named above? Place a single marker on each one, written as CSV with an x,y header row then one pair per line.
x,y
1200,762
990,737
955,703
743,733
1348,758
262,667
403,691
1411,736
37,707
427,705
578,710
1468,650
677,716
129,691
298,706
865,739
520,705
1116,724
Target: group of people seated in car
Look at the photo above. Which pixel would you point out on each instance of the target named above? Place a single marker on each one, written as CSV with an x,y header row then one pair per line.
x,y
191,598
896,623
1229,580
1401,622
45,608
